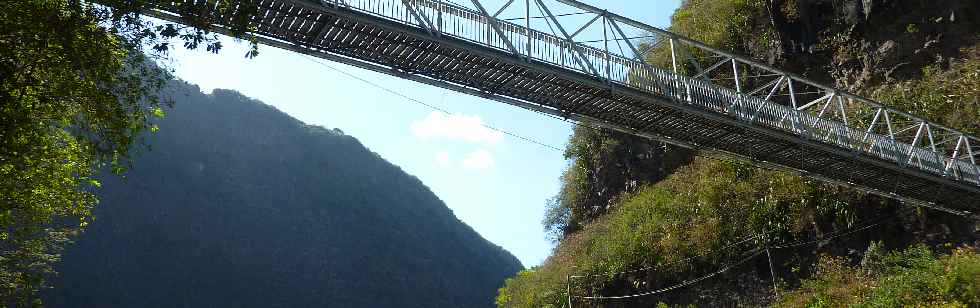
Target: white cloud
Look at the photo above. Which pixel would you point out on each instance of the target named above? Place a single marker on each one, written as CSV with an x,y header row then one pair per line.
x,y
479,159
442,157
455,127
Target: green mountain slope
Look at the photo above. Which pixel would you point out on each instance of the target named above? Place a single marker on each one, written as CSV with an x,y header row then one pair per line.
x,y
239,205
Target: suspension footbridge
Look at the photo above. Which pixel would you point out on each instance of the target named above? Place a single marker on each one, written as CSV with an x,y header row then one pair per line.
x,y
583,63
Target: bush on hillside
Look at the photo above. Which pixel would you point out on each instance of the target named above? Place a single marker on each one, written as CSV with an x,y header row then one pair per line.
x,y
915,277
706,206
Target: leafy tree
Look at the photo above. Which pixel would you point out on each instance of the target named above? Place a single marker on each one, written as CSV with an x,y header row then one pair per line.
x,y
76,91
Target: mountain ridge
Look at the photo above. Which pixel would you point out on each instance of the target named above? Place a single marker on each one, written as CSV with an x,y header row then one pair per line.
x,y
236,203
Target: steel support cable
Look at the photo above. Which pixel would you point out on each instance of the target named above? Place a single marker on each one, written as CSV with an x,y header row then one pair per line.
x,y
648,36
660,266
685,283
620,46
762,75
546,20
619,39
399,94
545,17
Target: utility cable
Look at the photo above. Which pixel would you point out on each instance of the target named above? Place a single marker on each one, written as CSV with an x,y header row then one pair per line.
x,y
685,283
547,21
659,266
756,253
430,106
540,17
881,220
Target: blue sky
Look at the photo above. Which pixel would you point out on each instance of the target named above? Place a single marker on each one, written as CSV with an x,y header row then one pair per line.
x,y
496,183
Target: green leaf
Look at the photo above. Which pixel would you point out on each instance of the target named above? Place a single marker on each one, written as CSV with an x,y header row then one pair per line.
x,y
158,112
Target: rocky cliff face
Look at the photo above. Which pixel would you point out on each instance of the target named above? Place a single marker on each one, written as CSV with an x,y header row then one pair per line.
x,y
861,44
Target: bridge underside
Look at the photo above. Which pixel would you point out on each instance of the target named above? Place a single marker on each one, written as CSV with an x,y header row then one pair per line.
x,y
393,48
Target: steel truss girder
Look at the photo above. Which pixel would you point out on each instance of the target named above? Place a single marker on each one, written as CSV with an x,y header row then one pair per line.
x,y
626,107
798,79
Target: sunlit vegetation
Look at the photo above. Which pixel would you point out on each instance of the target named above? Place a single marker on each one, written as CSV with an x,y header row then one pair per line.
x,y
73,99
940,91
605,165
731,25
77,90
704,206
712,211
915,277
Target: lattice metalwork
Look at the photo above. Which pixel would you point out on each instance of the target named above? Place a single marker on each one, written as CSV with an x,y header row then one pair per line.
x,y
581,62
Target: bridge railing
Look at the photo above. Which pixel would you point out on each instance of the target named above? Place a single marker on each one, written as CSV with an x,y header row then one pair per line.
x,y
714,80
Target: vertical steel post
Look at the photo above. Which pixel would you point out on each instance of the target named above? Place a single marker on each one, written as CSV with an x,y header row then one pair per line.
x,y
843,112
527,30
673,55
605,40
439,16
738,83
932,142
795,112
738,89
843,115
888,122
969,151
673,62
932,145
891,135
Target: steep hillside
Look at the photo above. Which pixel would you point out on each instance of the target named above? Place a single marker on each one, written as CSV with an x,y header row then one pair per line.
x,y
713,218
239,205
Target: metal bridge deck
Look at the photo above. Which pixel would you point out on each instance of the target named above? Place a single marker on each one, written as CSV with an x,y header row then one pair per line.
x,y
467,50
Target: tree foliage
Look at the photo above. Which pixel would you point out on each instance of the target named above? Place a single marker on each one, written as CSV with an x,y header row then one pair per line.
x,y
915,277
76,91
